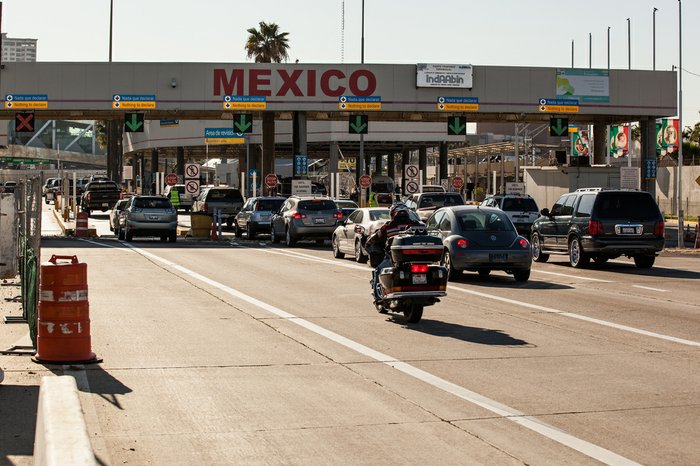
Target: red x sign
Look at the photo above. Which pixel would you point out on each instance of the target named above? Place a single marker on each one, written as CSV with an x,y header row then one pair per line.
x,y
24,122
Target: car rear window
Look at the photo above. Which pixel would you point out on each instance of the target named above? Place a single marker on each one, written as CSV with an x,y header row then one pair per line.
x,y
152,203
520,204
317,204
484,221
269,204
379,215
224,195
440,200
633,206
101,186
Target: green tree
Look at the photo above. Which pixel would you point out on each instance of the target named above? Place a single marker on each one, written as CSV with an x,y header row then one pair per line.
x,y
268,44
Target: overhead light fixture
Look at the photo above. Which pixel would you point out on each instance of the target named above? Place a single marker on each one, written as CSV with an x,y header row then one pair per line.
x,y
415,117
285,116
321,116
173,83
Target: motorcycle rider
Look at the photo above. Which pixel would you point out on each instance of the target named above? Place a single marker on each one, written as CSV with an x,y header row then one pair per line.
x,y
400,221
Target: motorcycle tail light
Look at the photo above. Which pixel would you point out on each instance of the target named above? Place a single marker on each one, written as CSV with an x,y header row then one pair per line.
x,y
659,228
462,243
419,268
523,243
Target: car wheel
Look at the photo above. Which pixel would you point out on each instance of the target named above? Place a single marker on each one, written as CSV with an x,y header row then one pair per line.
x,y
413,313
120,234
337,253
644,262
577,258
360,257
237,231
521,275
229,223
111,228
484,272
129,235
289,240
446,262
319,242
164,238
251,234
172,237
537,254
273,236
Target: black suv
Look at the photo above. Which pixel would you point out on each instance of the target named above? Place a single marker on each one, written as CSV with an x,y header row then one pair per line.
x,y
600,224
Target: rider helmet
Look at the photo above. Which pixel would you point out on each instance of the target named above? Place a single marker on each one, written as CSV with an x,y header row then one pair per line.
x,y
398,209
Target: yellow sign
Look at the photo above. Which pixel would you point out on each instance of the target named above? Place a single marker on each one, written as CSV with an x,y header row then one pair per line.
x,y
219,141
697,180
245,105
26,104
360,105
458,107
130,105
559,108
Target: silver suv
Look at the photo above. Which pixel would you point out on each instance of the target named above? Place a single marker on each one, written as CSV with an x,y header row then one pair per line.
x,y
520,208
255,215
148,216
302,217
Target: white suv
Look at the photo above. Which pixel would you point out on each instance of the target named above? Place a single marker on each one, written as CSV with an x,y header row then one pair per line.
x,y
520,208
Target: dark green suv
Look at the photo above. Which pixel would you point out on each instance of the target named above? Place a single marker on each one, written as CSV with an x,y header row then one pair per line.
x,y
600,224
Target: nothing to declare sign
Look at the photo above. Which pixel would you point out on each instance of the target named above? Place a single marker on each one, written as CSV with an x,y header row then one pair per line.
x,y
451,76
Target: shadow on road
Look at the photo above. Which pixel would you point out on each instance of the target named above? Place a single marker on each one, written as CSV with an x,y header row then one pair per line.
x,y
100,382
506,281
631,269
18,411
481,336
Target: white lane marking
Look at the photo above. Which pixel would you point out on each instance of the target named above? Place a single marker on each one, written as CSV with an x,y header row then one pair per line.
x,y
529,422
649,288
578,316
572,276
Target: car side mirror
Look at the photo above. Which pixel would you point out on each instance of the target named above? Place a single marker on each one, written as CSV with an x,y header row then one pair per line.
x,y
545,212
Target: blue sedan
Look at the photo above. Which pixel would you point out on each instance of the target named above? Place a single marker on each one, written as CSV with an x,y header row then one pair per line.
x,y
480,239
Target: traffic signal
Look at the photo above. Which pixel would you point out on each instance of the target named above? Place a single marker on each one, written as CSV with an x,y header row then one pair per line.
x,y
558,127
243,123
358,124
24,122
133,122
456,126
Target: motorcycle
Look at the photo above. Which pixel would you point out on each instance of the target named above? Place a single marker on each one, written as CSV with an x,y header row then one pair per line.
x,y
413,279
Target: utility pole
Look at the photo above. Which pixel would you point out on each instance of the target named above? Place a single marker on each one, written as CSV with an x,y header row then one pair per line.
x,y
608,48
629,44
654,38
590,50
680,128
572,53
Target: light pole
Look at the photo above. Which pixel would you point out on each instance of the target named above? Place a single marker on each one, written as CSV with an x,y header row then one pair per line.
x,y
653,33
680,127
629,45
590,50
572,53
111,16
608,48
362,136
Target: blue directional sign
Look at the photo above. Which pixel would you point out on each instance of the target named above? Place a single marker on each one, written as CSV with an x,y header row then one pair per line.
x,y
168,123
458,103
133,101
559,105
352,102
223,136
650,169
301,164
252,172
20,101
245,102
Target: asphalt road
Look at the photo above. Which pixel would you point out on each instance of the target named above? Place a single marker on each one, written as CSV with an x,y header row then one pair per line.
x,y
245,352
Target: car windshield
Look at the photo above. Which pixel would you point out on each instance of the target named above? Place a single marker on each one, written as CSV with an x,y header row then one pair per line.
x,y
636,206
152,203
269,204
224,195
318,204
484,221
346,204
440,200
521,204
379,214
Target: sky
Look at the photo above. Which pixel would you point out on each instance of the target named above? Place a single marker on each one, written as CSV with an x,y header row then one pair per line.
x,y
494,32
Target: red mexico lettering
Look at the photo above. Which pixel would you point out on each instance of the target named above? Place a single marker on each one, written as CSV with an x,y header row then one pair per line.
x,y
259,78
370,83
290,83
232,86
311,83
326,83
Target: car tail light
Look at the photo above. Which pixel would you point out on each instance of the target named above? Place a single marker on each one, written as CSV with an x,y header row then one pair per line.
x,y
121,194
462,243
523,243
88,197
206,207
419,268
338,214
298,215
659,228
595,227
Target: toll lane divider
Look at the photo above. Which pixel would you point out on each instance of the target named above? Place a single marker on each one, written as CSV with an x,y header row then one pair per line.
x,y
506,412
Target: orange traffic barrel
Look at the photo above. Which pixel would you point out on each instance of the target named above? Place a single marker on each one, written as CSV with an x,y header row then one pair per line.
x,y
81,225
63,317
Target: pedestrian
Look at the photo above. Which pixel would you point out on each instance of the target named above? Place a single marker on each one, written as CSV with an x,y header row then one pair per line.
x,y
175,198
373,199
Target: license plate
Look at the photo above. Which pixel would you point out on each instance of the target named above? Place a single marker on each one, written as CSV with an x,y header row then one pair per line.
x,y
265,217
628,230
319,220
154,217
105,204
498,257
419,279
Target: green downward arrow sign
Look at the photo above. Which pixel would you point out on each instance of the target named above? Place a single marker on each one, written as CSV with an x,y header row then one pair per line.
x,y
243,124
456,127
559,126
134,124
358,126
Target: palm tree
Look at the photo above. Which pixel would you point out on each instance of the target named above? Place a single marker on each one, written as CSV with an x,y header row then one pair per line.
x,y
267,45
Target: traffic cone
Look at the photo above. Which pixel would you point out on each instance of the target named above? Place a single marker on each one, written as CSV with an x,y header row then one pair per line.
x,y
214,236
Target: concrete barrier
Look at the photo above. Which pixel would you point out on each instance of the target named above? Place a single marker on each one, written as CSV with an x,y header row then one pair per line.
x,y
61,434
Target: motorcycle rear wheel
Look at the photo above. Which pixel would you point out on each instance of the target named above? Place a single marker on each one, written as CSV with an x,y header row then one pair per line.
x,y
413,313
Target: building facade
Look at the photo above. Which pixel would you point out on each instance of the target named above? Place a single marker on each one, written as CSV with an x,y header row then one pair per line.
x,y
18,50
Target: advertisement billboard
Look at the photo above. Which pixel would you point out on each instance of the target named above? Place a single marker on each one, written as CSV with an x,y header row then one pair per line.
x,y
666,136
580,144
619,141
451,76
586,85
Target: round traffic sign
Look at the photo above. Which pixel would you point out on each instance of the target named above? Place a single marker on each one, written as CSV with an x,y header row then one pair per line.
x,y
191,170
412,187
271,180
412,171
458,182
365,181
192,187
171,179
